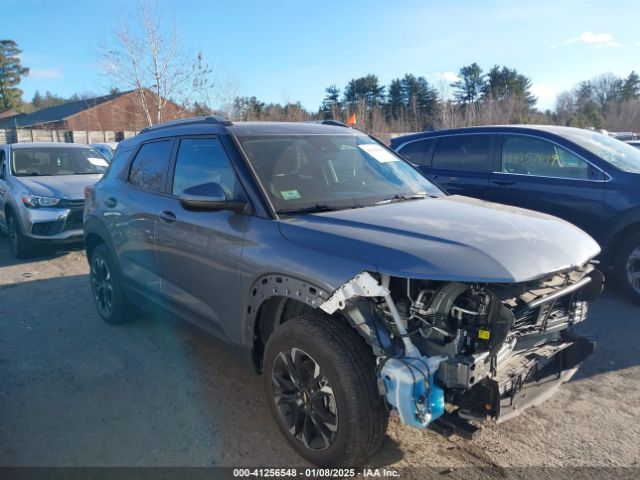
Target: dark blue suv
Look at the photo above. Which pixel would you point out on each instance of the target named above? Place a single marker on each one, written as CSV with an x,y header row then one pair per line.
x,y
582,176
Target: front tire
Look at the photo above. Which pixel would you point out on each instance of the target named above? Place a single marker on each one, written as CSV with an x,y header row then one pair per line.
x,y
319,378
107,290
20,245
627,266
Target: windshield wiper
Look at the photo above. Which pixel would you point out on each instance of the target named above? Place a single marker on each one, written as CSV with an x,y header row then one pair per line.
x,y
318,207
404,198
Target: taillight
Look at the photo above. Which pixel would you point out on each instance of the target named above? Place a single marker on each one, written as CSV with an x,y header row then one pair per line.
x,y
89,193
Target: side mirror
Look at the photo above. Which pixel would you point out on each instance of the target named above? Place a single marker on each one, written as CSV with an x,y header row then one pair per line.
x,y
208,196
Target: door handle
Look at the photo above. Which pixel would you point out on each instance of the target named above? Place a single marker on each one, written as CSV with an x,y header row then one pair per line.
x,y
504,183
168,216
111,202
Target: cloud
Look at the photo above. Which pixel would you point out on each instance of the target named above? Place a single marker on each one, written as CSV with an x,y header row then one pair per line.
x,y
596,40
45,73
444,76
590,37
546,94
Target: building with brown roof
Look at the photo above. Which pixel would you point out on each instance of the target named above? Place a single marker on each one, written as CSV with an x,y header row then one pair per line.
x,y
121,111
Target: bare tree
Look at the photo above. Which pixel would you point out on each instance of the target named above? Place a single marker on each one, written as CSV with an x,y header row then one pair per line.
x,y
145,56
606,89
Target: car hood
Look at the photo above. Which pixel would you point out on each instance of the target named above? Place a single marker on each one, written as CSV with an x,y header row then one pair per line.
x,y
447,238
60,186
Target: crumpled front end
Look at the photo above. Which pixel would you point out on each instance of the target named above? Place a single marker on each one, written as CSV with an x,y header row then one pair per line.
x,y
449,352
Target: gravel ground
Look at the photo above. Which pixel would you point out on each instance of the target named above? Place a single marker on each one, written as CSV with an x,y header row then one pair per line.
x,y
75,391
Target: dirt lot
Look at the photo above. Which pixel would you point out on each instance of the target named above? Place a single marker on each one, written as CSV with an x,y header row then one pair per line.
x,y
76,391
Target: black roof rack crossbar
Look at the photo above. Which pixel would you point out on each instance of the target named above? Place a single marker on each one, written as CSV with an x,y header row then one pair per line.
x,y
212,119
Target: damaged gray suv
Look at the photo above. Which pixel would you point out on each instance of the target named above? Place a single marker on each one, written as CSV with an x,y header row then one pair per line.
x,y
333,267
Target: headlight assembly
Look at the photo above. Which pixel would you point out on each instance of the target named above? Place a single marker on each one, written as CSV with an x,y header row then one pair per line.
x,y
36,201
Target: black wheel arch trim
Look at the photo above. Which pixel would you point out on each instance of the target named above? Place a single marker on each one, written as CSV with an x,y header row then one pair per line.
x,y
273,285
270,286
629,220
93,227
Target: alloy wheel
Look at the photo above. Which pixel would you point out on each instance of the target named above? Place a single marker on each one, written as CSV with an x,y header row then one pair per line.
x,y
304,398
102,285
633,269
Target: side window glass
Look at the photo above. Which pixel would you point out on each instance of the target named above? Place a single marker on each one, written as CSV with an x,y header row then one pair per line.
x,y
149,168
417,152
2,164
538,157
203,160
463,152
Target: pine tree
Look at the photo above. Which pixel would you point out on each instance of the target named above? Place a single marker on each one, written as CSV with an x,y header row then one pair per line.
x,y
631,87
505,82
469,87
11,72
331,104
395,103
367,89
36,101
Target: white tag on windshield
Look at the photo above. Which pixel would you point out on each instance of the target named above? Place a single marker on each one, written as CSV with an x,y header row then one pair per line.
x,y
379,153
98,162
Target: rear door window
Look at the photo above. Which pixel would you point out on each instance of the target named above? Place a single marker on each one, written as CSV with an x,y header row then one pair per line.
x,y
463,152
149,168
418,152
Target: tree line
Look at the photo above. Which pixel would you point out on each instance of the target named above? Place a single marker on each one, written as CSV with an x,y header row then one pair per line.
x,y
502,95
408,103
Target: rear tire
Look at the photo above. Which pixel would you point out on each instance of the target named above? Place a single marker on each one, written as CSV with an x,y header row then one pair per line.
x,y
627,266
107,290
21,246
320,382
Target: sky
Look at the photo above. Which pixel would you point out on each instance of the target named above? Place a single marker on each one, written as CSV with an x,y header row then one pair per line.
x,y
291,50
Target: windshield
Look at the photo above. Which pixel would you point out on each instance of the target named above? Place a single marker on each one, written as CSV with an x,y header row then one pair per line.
x,y
105,150
619,154
326,172
53,161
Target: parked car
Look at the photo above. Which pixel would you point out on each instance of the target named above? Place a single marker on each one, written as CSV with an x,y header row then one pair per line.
x,y
106,149
331,265
634,143
582,176
41,192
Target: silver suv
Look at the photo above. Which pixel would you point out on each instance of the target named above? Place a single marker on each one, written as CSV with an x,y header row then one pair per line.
x,y
331,265
42,192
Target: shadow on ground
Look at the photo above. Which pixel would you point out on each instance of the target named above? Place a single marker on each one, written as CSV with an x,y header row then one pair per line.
x,y
100,390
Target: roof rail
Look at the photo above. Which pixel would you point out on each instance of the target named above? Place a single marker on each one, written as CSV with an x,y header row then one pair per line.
x,y
212,119
336,123
328,121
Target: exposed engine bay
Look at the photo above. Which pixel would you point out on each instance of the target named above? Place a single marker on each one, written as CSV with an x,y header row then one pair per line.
x,y
449,352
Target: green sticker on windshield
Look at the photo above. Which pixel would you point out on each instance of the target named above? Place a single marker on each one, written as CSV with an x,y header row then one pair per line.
x,y
290,194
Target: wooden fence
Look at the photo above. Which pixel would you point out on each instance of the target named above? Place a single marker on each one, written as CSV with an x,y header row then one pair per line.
x,y
27,135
